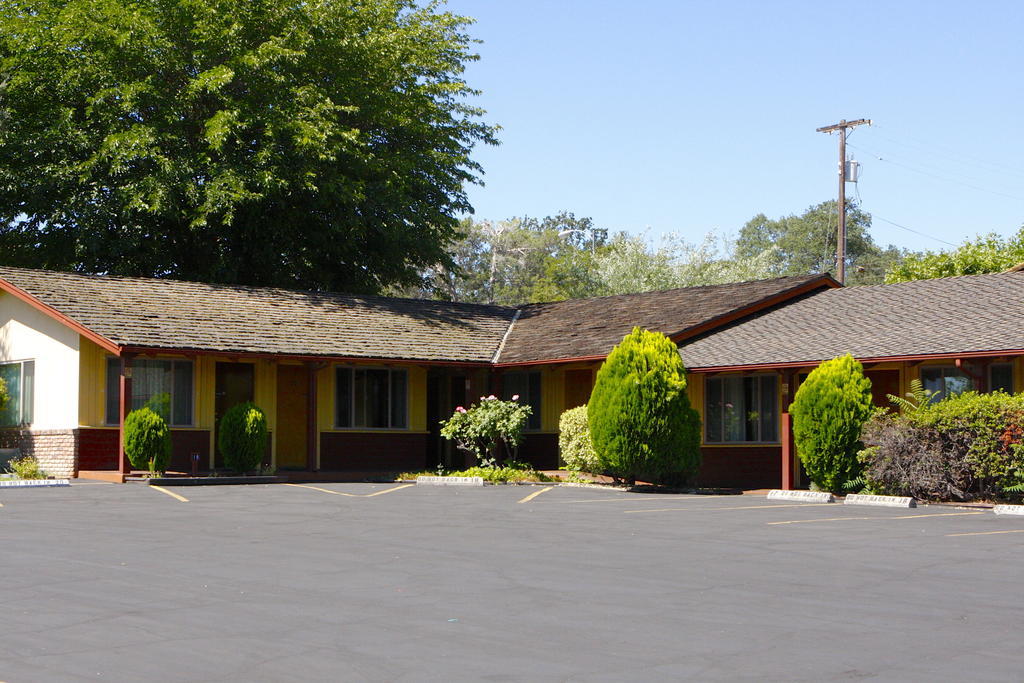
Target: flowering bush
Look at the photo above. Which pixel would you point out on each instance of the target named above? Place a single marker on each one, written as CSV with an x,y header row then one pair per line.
x,y
491,430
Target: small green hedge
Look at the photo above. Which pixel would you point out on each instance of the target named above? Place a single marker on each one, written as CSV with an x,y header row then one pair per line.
x,y
509,473
242,437
574,444
147,440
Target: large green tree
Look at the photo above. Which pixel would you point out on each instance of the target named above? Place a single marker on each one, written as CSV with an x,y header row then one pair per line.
x,y
632,264
563,256
807,243
518,260
321,144
984,254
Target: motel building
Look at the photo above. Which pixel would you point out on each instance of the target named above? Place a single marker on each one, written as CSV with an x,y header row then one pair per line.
x,y
354,386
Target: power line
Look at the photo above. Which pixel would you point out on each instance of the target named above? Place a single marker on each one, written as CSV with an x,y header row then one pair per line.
x,y
901,227
931,145
936,176
960,179
916,232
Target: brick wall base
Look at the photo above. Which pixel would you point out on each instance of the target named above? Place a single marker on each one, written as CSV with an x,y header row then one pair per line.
x,y
56,450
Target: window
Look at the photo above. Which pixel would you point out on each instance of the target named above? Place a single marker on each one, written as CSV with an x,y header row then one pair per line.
x,y
741,409
19,377
1000,376
165,386
945,381
525,385
371,398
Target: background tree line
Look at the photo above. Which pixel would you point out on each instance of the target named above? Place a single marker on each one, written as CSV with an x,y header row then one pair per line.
x,y
563,256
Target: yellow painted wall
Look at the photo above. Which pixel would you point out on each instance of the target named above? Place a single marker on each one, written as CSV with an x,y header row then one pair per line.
x,y
92,383
552,401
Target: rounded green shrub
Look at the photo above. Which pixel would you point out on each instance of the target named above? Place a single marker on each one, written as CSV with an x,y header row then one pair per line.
x,y
147,440
641,422
574,444
829,410
242,437
964,447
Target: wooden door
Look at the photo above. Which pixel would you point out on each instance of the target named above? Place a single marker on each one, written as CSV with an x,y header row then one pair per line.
x,y
292,408
883,383
578,385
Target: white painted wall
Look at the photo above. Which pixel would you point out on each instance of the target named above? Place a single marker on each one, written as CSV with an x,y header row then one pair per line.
x,y
27,334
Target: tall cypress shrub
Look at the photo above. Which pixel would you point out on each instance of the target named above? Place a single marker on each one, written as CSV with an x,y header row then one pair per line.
x,y
829,409
641,421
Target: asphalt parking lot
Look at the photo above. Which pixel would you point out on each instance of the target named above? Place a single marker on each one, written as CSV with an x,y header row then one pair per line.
x,y
381,582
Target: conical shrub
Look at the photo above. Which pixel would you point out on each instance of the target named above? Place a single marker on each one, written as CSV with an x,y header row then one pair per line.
x,y
829,409
641,422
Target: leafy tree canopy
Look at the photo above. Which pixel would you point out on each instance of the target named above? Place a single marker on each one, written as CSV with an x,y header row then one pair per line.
x,y
313,144
984,254
563,256
631,264
518,260
807,243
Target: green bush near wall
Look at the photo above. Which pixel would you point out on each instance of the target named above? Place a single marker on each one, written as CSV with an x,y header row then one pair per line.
x,y
641,421
147,440
829,410
242,437
966,447
574,444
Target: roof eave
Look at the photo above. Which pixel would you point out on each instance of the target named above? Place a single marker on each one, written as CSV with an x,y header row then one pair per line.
x,y
65,320
910,358
338,358
825,281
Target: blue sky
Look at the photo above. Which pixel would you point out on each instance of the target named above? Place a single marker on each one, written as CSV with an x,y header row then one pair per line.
x,y
694,116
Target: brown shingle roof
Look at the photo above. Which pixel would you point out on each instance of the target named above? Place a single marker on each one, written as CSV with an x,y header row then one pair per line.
x,y
153,313
968,314
582,328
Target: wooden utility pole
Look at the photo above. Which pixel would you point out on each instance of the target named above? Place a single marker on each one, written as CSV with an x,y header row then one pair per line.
x,y
842,127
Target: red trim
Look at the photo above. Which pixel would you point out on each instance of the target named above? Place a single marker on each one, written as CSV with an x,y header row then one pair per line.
x,y
124,407
817,283
788,453
873,359
189,351
60,317
555,361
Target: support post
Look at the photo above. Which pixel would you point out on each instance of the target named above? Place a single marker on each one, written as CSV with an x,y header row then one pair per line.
x,y
842,127
788,453
124,406
311,421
